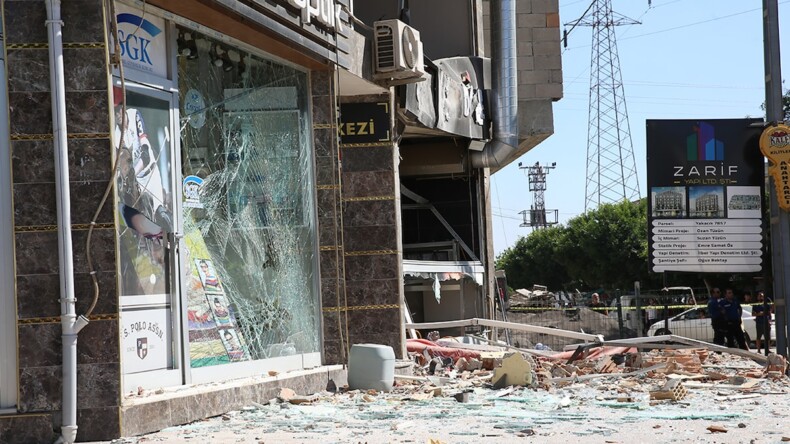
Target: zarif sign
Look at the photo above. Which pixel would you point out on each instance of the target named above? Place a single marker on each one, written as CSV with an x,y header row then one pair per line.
x,y
775,145
142,40
706,188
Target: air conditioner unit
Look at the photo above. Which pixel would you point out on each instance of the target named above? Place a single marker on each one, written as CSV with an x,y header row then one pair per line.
x,y
398,52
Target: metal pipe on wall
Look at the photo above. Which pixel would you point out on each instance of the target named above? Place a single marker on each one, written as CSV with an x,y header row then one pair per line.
x,y
504,93
70,323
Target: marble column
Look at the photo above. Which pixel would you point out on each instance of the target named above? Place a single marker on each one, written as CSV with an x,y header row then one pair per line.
x,y
35,217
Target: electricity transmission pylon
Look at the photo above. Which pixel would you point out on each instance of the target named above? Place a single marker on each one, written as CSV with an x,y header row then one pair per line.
x,y
611,166
537,216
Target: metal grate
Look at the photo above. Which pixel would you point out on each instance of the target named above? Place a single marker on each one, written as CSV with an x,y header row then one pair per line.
x,y
385,48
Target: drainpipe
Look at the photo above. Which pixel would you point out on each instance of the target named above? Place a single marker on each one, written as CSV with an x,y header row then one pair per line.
x,y
70,323
504,95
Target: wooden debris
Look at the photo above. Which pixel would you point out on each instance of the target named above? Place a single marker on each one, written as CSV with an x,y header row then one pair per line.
x,y
605,365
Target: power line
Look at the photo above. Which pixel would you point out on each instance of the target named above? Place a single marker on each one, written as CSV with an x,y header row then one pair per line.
x,y
496,190
697,23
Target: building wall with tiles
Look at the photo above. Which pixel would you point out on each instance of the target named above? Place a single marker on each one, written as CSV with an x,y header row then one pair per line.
x,y
35,219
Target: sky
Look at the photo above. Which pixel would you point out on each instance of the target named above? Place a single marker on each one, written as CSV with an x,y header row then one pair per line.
x,y
688,59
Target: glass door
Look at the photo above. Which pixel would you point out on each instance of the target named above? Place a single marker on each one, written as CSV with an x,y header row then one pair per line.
x,y
147,244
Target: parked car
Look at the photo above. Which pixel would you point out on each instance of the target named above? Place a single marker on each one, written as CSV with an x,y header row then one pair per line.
x,y
695,324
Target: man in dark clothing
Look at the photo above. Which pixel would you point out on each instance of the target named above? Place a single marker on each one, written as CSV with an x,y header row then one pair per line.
x,y
732,315
716,317
762,319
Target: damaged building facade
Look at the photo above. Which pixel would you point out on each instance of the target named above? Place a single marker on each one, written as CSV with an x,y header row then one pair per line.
x,y
205,191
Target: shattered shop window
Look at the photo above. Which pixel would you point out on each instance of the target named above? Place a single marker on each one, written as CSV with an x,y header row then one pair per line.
x,y
248,206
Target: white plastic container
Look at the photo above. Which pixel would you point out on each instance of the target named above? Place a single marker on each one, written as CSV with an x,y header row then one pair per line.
x,y
371,366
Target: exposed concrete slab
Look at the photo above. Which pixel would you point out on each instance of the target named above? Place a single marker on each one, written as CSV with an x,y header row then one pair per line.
x,y
185,404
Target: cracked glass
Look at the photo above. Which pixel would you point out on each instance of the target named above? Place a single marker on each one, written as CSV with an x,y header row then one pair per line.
x,y
248,209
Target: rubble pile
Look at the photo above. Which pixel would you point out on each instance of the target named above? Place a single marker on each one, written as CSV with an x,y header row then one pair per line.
x,y
502,394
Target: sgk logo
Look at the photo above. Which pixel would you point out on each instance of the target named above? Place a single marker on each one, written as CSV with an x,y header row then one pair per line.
x,y
133,45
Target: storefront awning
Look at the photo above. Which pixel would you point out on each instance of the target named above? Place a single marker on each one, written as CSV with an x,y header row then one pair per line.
x,y
445,270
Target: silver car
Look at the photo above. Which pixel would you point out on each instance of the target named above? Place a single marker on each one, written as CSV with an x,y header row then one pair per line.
x,y
695,324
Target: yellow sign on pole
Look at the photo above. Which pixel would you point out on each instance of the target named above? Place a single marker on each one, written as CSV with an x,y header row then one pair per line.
x,y
775,145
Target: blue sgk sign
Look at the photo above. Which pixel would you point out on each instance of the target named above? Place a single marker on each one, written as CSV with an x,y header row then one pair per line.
x,y
134,46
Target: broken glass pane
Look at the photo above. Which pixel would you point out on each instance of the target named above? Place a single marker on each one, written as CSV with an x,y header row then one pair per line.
x,y
248,206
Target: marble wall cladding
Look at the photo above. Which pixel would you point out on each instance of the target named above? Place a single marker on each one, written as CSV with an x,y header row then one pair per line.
x,y
325,171
322,110
34,204
40,389
329,291
367,213
372,292
321,83
90,159
327,201
30,112
102,246
24,21
108,292
39,345
28,70
370,238
84,20
379,266
376,326
102,381
28,428
332,329
85,69
33,161
328,231
85,198
325,142
37,296
99,424
328,262
333,352
368,183
99,343
88,112
367,159
36,252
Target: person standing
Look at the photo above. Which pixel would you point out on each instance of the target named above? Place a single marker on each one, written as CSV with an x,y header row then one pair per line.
x,y
733,313
762,319
716,316
597,305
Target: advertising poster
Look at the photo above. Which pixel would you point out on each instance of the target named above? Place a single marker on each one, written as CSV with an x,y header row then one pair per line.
x,y
143,192
705,195
213,334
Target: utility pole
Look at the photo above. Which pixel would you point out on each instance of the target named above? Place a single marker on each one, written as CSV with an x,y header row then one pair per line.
x,y
780,220
536,217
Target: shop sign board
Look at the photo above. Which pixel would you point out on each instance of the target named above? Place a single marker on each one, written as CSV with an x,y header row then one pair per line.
x,y
775,145
145,340
325,12
142,40
705,195
365,122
